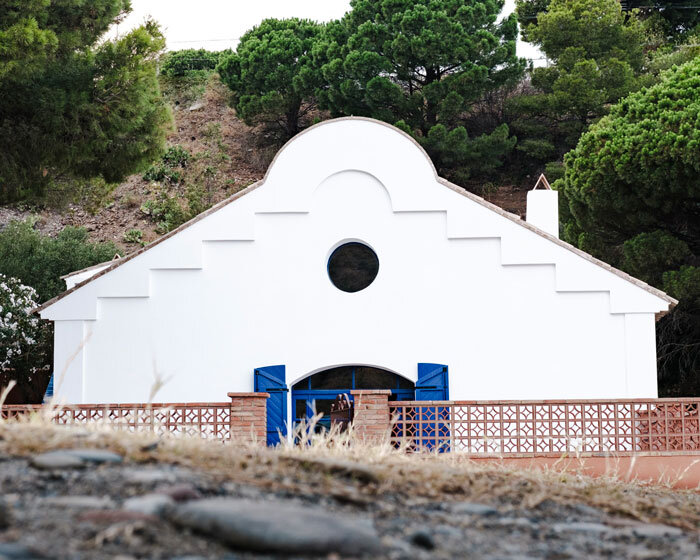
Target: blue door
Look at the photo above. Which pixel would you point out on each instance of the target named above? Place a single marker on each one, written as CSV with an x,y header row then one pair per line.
x,y
271,379
433,385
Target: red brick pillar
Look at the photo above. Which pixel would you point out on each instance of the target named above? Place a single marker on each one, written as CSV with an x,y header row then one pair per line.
x,y
371,420
249,417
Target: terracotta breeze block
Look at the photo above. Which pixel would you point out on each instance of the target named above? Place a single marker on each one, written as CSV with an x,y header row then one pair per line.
x,y
249,417
372,421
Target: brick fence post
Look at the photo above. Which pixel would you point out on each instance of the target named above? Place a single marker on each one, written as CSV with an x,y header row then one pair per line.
x,y
372,420
249,417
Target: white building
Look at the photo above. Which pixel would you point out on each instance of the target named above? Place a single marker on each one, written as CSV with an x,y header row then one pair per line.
x,y
458,296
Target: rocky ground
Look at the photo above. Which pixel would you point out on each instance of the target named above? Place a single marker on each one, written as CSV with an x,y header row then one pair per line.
x,y
98,496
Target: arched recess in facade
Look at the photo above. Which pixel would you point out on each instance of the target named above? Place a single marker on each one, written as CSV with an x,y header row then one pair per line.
x,y
315,393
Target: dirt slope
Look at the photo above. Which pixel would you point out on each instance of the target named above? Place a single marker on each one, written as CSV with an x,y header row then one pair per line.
x,y
226,149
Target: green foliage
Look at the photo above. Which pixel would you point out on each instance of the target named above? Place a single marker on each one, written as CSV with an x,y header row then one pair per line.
x,y
597,53
422,65
162,172
73,106
647,255
39,261
673,18
176,156
271,75
167,168
676,19
597,28
25,340
632,186
169,212
527,12
684,284
176,64
133,236
666,56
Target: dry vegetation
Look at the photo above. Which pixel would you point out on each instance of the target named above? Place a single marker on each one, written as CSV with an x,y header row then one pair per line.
x,y
338,465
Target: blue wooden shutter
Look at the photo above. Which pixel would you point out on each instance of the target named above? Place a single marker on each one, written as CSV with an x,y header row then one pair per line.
x,y
271,379
433,383
49,389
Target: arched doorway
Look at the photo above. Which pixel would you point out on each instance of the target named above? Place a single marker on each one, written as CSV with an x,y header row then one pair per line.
x,y
317,392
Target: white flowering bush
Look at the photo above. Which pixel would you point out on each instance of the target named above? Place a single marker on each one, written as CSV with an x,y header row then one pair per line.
x,y
24,337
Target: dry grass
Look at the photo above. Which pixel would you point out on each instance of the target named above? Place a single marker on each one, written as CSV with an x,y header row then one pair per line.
x,y
338,465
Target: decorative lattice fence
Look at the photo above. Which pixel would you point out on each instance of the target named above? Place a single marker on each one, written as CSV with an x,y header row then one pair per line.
x,y
554,428
208,420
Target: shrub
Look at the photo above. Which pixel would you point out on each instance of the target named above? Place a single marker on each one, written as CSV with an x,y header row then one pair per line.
x,y
166,169
169,213
176,156
162,172
182,63
165,210
133,236
25,340
39,261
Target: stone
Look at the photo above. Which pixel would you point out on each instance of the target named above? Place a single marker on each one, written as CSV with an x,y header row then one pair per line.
x,y
581,527
79,502
513,522
17,551
180,492
150,446
471,508
56,460
423,539
276,526
112,516
94,455
5,514
656,531
149,504
448,531
147,476
588,511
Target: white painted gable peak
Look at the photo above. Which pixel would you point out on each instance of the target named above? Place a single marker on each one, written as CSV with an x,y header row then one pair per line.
x,y
356,163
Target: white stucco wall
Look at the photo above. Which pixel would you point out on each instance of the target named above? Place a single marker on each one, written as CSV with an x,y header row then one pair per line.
x,y
513,314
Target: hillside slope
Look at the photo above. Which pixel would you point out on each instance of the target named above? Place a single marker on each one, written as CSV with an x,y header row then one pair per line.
x,y
226,156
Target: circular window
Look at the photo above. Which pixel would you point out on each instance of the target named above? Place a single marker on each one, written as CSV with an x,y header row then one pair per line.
x,y
352,267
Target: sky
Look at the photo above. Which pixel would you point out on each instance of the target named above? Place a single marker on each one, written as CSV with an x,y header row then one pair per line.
x,y
217,24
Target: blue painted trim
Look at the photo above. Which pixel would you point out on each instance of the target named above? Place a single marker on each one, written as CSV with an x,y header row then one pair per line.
x,y
49,389
433,382
271,379
434,385
310,395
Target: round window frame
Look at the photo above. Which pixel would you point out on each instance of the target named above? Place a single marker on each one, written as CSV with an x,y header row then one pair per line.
x,y
333,251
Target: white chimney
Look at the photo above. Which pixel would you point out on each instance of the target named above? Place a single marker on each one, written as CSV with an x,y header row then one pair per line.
x,y
543,207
